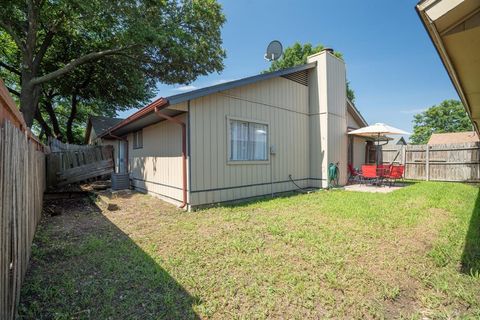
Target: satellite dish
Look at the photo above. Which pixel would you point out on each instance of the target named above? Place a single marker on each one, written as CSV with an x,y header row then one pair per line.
x,y
274,51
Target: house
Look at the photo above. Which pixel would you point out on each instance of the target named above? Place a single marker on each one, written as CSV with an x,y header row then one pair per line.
x,y
453,137
397,141
357,145
250,137
96,126
454,28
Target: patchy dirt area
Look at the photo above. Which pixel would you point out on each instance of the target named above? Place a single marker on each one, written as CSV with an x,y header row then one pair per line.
x,y
127,255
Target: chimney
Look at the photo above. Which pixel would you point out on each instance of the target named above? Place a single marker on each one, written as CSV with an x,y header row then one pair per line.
x,y
328,118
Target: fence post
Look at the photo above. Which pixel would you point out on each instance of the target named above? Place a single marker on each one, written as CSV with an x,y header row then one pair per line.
x,y
427,163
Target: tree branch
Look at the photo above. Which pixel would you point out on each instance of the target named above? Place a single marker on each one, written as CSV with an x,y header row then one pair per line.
x,y
13,91
9,68
43,49
10,30
43,123
47,41
75,63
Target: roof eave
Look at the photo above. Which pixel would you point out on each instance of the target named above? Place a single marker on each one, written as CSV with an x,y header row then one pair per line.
x,y
356,113
159,103
442,52
179,98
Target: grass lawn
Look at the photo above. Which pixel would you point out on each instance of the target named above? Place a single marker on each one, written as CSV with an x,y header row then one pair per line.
x,y
413,253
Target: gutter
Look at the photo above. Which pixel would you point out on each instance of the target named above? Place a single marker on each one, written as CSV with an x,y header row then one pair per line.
x,y
160,103
184,151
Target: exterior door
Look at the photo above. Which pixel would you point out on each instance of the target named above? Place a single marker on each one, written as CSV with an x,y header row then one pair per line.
x,y
122,157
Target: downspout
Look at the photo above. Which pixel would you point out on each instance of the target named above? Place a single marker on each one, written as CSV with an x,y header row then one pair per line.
x,y
184,152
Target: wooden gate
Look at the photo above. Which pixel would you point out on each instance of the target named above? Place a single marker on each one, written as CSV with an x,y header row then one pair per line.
x,y
69,163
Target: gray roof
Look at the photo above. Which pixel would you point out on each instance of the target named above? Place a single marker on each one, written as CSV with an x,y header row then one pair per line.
x,y
101,124
182,97
397,141
147,118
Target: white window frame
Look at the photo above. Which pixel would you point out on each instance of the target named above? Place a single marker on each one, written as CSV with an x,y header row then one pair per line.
x,y
229,141
135,135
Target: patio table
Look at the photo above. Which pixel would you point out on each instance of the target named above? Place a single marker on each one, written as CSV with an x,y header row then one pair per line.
x,y
382,172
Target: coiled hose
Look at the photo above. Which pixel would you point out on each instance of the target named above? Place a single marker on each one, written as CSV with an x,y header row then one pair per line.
x,y
333,175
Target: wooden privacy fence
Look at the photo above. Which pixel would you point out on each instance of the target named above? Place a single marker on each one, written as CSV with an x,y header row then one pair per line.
x,y
393,154
442,162
22,182
69,163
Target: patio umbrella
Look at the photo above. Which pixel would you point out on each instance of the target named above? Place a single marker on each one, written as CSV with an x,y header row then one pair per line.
x,y
377,131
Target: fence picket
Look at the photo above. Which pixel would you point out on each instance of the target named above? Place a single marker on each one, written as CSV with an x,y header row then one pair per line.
x,y
446,162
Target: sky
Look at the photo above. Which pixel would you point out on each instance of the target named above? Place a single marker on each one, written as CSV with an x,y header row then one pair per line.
x,y
391,63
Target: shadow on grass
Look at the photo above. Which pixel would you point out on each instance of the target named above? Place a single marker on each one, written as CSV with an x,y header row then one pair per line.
x,y
85,267
471,251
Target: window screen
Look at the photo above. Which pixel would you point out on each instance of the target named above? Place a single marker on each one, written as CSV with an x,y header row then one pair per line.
x,y
248,141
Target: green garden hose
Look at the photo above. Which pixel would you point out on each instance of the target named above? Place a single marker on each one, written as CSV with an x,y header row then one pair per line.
x,y
333,175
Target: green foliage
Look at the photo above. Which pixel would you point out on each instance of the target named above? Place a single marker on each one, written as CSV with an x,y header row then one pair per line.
x,y
448,116
297,54
117,49
8,56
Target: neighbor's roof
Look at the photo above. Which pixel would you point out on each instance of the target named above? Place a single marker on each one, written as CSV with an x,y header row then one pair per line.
x,y
100,124
146,117
397,140
453,137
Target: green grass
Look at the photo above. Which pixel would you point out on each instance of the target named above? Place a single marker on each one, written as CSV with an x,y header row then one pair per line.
x,y
413,253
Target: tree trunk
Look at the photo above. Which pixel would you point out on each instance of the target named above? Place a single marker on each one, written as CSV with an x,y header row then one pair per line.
x,y
29,96
45,128
53,118
73,114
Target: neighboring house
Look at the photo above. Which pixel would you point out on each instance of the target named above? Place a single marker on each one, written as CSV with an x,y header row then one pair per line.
x,y
454,28
244,138
453,137
98,125
357,146
397,141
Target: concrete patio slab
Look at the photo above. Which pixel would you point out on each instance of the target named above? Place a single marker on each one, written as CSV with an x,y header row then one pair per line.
x,y
373,188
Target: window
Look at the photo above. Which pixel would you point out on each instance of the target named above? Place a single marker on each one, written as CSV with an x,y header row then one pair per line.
x,y
137,139
248,141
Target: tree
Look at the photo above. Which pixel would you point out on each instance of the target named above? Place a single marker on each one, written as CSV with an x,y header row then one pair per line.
x,y
174,41
297,55
448,116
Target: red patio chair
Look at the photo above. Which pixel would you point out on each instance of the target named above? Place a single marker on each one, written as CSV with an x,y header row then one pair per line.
x,y
383,169
396,172
369,172
353,174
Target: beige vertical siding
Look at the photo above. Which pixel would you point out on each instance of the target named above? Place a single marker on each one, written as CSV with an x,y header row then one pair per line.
x,y
359,145
279,102
157,167
351,122
328,117
92,137
337,112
